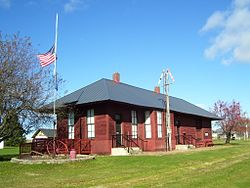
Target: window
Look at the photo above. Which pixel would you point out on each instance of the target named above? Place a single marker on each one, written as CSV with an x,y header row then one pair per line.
x,y
159,124
134,124
148,125
118,117
206,134
177,122
91,123
71,122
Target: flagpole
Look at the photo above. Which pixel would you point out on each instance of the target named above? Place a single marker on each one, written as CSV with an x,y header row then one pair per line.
x,y
55,90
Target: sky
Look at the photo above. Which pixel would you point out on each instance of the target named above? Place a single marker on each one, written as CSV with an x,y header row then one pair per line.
x,y
206,44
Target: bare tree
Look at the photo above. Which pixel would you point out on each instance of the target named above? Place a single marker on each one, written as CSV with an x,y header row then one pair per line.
x,y
232,117
24,86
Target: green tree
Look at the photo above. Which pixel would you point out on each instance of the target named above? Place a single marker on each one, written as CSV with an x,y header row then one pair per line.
x,y
17,135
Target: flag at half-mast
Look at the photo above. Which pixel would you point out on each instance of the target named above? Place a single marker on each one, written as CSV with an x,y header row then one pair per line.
x,y
47,58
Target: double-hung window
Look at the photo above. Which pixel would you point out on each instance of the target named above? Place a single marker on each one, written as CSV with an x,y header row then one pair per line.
x,y
71,122
134,124
91,123
148,125
159,124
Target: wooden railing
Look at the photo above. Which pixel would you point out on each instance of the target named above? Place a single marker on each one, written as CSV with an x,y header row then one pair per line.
x,y
127,141
40,145
186,140
63,146
139,142
81,146
118,140
189,139
25,148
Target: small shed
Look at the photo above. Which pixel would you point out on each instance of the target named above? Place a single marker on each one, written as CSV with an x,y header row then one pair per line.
x,y
44,133
2,145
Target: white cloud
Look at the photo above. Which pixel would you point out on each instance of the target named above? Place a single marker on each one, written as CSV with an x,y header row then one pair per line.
x,y
232,42
5,3
241,3
73,5
216,20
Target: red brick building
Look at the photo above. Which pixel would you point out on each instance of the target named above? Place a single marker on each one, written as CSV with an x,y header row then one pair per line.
x,y
112,114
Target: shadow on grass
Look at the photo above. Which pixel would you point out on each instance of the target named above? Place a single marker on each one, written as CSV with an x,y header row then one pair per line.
x,y
219,144
229,144
7,157
8,152
235,144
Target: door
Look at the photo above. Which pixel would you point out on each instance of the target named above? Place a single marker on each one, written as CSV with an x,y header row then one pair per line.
x,y
178,135
118,130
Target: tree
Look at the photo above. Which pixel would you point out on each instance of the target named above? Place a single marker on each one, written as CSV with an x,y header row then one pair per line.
x,y
232,117
25,87
242,129
17,135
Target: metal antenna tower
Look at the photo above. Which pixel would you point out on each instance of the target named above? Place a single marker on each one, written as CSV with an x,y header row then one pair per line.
x,y
167,77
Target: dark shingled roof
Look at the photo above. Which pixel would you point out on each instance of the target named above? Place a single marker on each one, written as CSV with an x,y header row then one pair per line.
x,y
104,89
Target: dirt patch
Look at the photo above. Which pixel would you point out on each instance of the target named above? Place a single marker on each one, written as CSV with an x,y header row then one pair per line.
x,y
49,160
183,151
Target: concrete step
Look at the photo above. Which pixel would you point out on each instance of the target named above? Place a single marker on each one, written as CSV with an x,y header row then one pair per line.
x,y
125,151
135,150
184,147
119,152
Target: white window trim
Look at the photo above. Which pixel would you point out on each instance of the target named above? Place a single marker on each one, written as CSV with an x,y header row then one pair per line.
x,y
71,126
134,131
159,124
91,123
148,129
134,124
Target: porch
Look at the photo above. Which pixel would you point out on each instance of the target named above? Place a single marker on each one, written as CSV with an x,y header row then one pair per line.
x,y
127,144
191,140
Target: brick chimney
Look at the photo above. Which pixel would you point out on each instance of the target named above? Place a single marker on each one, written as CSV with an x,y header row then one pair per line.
x,y
157,89
116,77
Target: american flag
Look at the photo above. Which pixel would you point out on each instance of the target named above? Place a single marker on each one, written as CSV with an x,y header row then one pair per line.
x,y
47,58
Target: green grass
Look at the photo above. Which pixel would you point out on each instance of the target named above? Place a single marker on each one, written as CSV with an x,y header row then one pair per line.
x,y
8,152
223,166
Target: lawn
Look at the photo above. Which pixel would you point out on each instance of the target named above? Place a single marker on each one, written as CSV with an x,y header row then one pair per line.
x,y
221,166
8,152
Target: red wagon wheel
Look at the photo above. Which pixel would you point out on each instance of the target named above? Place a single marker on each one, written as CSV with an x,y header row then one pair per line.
x,y
60,147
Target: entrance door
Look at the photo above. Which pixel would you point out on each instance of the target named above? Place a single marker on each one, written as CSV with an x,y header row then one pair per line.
x,y
118,130
118,134
178,135
177,123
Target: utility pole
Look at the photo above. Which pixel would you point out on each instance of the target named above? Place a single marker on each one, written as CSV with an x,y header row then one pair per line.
x,y
169,131
166,75
246,133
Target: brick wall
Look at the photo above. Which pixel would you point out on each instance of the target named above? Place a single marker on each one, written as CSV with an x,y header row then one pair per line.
x,y
188,125
105,126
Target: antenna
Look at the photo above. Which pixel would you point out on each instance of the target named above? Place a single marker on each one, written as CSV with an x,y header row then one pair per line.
x,y
168,79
